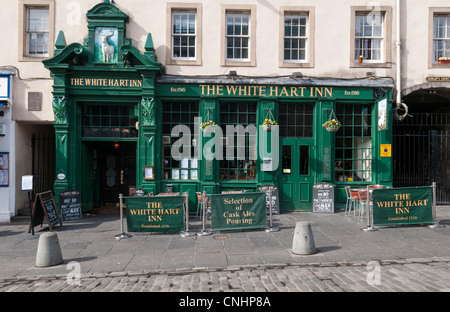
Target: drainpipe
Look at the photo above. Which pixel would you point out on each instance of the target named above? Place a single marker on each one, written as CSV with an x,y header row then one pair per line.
x,y
399,104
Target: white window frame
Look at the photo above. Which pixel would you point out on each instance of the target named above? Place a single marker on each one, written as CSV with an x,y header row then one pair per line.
x,y
445,35
187,34
45,30
249,10
185,8
370,22
299,37
24,54
238,36
383,13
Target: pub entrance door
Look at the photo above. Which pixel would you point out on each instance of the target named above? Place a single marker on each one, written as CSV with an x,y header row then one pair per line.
x,y
108,169
117,171
297,175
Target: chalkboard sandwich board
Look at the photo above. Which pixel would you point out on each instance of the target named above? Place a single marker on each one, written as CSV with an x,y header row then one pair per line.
x,y
323,197
44,207
267,189
70,205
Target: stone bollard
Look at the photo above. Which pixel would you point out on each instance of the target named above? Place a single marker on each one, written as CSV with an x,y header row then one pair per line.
x,y
49,251
303,243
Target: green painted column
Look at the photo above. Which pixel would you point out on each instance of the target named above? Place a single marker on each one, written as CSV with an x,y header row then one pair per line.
x,y
61,146
147,143
209,164
324,145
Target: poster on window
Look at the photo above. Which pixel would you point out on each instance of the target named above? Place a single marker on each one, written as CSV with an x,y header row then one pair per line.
x,y
382,113
4,169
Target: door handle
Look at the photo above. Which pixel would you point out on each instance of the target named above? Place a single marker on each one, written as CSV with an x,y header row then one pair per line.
x,y
121,176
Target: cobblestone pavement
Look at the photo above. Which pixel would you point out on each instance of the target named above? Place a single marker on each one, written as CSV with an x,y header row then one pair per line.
x,y
392,259
411,275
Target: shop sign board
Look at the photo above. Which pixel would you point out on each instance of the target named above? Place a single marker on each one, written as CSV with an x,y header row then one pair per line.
x,y
238,211
408,205
155,213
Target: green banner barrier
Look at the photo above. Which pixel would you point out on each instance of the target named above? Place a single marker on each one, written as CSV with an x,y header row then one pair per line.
x,y
155,213
238,211
406,205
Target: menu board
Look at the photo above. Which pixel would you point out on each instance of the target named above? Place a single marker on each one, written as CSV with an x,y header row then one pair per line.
x,y
323,197
70,205
273,197
44,207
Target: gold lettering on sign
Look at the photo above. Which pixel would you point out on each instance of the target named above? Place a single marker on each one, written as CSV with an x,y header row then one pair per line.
x,y
104,82
262,91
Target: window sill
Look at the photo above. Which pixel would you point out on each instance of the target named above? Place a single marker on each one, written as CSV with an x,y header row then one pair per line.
x,y
230,63
296,65
436,65
354,64
184,62
33,58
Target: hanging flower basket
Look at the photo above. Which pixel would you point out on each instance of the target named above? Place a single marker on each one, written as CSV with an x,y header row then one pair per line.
x,y
208,126
332,124
269,122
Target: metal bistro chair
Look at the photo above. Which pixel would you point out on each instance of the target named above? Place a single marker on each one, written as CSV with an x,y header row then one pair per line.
x,y
355,196
350,201
363,201
199,203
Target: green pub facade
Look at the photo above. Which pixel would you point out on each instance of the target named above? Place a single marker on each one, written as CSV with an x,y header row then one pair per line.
x,y
121,123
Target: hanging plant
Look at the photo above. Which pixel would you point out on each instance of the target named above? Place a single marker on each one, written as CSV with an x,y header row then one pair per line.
x,y
332,124
208,126
269,121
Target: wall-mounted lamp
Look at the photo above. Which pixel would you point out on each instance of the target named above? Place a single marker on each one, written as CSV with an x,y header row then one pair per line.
x,y
116,145
297,75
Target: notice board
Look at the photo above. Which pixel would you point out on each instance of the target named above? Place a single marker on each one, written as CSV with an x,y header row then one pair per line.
x,y
44,208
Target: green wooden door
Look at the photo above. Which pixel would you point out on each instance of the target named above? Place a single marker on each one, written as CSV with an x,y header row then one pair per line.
x,y
297,174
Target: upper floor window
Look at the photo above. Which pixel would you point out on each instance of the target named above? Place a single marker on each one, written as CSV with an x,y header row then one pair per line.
x,y
238,36
183,35
295,38
37,31
369,37
441,37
